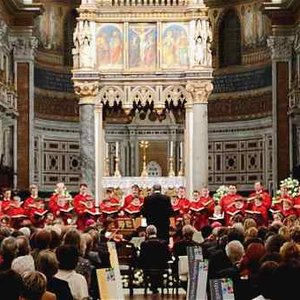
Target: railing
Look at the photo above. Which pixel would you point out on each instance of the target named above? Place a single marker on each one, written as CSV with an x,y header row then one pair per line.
x,y
165,3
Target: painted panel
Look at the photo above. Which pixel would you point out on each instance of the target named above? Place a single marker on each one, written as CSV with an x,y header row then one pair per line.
x,y
110,46
142,39
175,46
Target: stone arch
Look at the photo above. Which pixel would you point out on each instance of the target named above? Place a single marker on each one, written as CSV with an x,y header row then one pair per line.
x,y
154,169
142,94
111,94
175,93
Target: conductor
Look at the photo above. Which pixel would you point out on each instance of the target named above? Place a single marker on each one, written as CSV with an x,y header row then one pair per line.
x,y
157,210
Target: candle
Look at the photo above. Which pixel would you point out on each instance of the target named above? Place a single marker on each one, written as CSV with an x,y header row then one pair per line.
x,y
117,149
106,150
180,150
171,149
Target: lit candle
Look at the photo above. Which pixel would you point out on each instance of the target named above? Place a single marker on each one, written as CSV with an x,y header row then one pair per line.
x,y
117,149
171,149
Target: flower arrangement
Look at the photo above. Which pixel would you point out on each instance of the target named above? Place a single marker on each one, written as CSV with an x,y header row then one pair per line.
x,y
220,192
292,187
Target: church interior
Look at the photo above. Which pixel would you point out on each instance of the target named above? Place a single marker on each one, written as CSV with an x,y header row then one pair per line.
x,y
191,94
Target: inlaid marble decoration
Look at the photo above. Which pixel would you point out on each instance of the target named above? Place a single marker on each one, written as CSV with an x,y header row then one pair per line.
x,y
142,39
110,46
175,45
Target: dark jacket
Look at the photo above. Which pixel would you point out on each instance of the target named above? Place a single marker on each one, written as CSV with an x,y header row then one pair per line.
x,y
154,254
157,210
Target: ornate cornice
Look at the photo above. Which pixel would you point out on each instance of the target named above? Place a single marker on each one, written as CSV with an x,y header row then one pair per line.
x,y
199,91
281,47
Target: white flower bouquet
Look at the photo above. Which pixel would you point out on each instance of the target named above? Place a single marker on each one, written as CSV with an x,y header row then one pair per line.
x,y
220,192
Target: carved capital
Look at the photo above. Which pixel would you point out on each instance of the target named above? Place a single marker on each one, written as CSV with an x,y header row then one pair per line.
x,y
281,47
199,91
86,88
24,47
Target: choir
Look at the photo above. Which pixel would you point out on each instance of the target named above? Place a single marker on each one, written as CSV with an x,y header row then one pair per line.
x,y
203,209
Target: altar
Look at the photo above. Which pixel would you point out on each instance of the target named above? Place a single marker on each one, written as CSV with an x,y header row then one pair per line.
x,y
125,183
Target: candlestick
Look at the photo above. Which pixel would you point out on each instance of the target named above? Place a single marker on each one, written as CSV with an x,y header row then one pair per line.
x,y
180,150
171,169
117,149
171,149
144,145
106,150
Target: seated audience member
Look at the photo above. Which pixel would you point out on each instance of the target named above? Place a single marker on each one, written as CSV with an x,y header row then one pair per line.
x,y
266,280
234,251
290,251
8,251
67,257
47,264
34,287
180,248
84,267
24,262
41,241
154,255
11,285
274,242
286,281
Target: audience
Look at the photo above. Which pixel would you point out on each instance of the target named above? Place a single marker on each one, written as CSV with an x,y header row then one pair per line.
x,y
60,262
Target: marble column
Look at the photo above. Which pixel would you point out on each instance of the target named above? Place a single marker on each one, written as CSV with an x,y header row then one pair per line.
x,y
281,54
196,135
87,146
24,46
200,145
99,152
188,150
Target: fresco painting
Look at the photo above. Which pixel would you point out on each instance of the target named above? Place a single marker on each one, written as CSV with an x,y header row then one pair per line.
x,y
142,46
174,46
110,47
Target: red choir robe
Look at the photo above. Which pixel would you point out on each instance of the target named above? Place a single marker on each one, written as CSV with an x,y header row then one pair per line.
x,y
176,208
297,205
37,212
5,204
265,196
61,207
259,213
133,209
84,207
277,204
184,205
201,210
110,206
233,210
227,200
16,213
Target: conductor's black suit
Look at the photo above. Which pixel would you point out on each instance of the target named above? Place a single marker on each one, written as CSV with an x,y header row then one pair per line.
x,y
157,210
